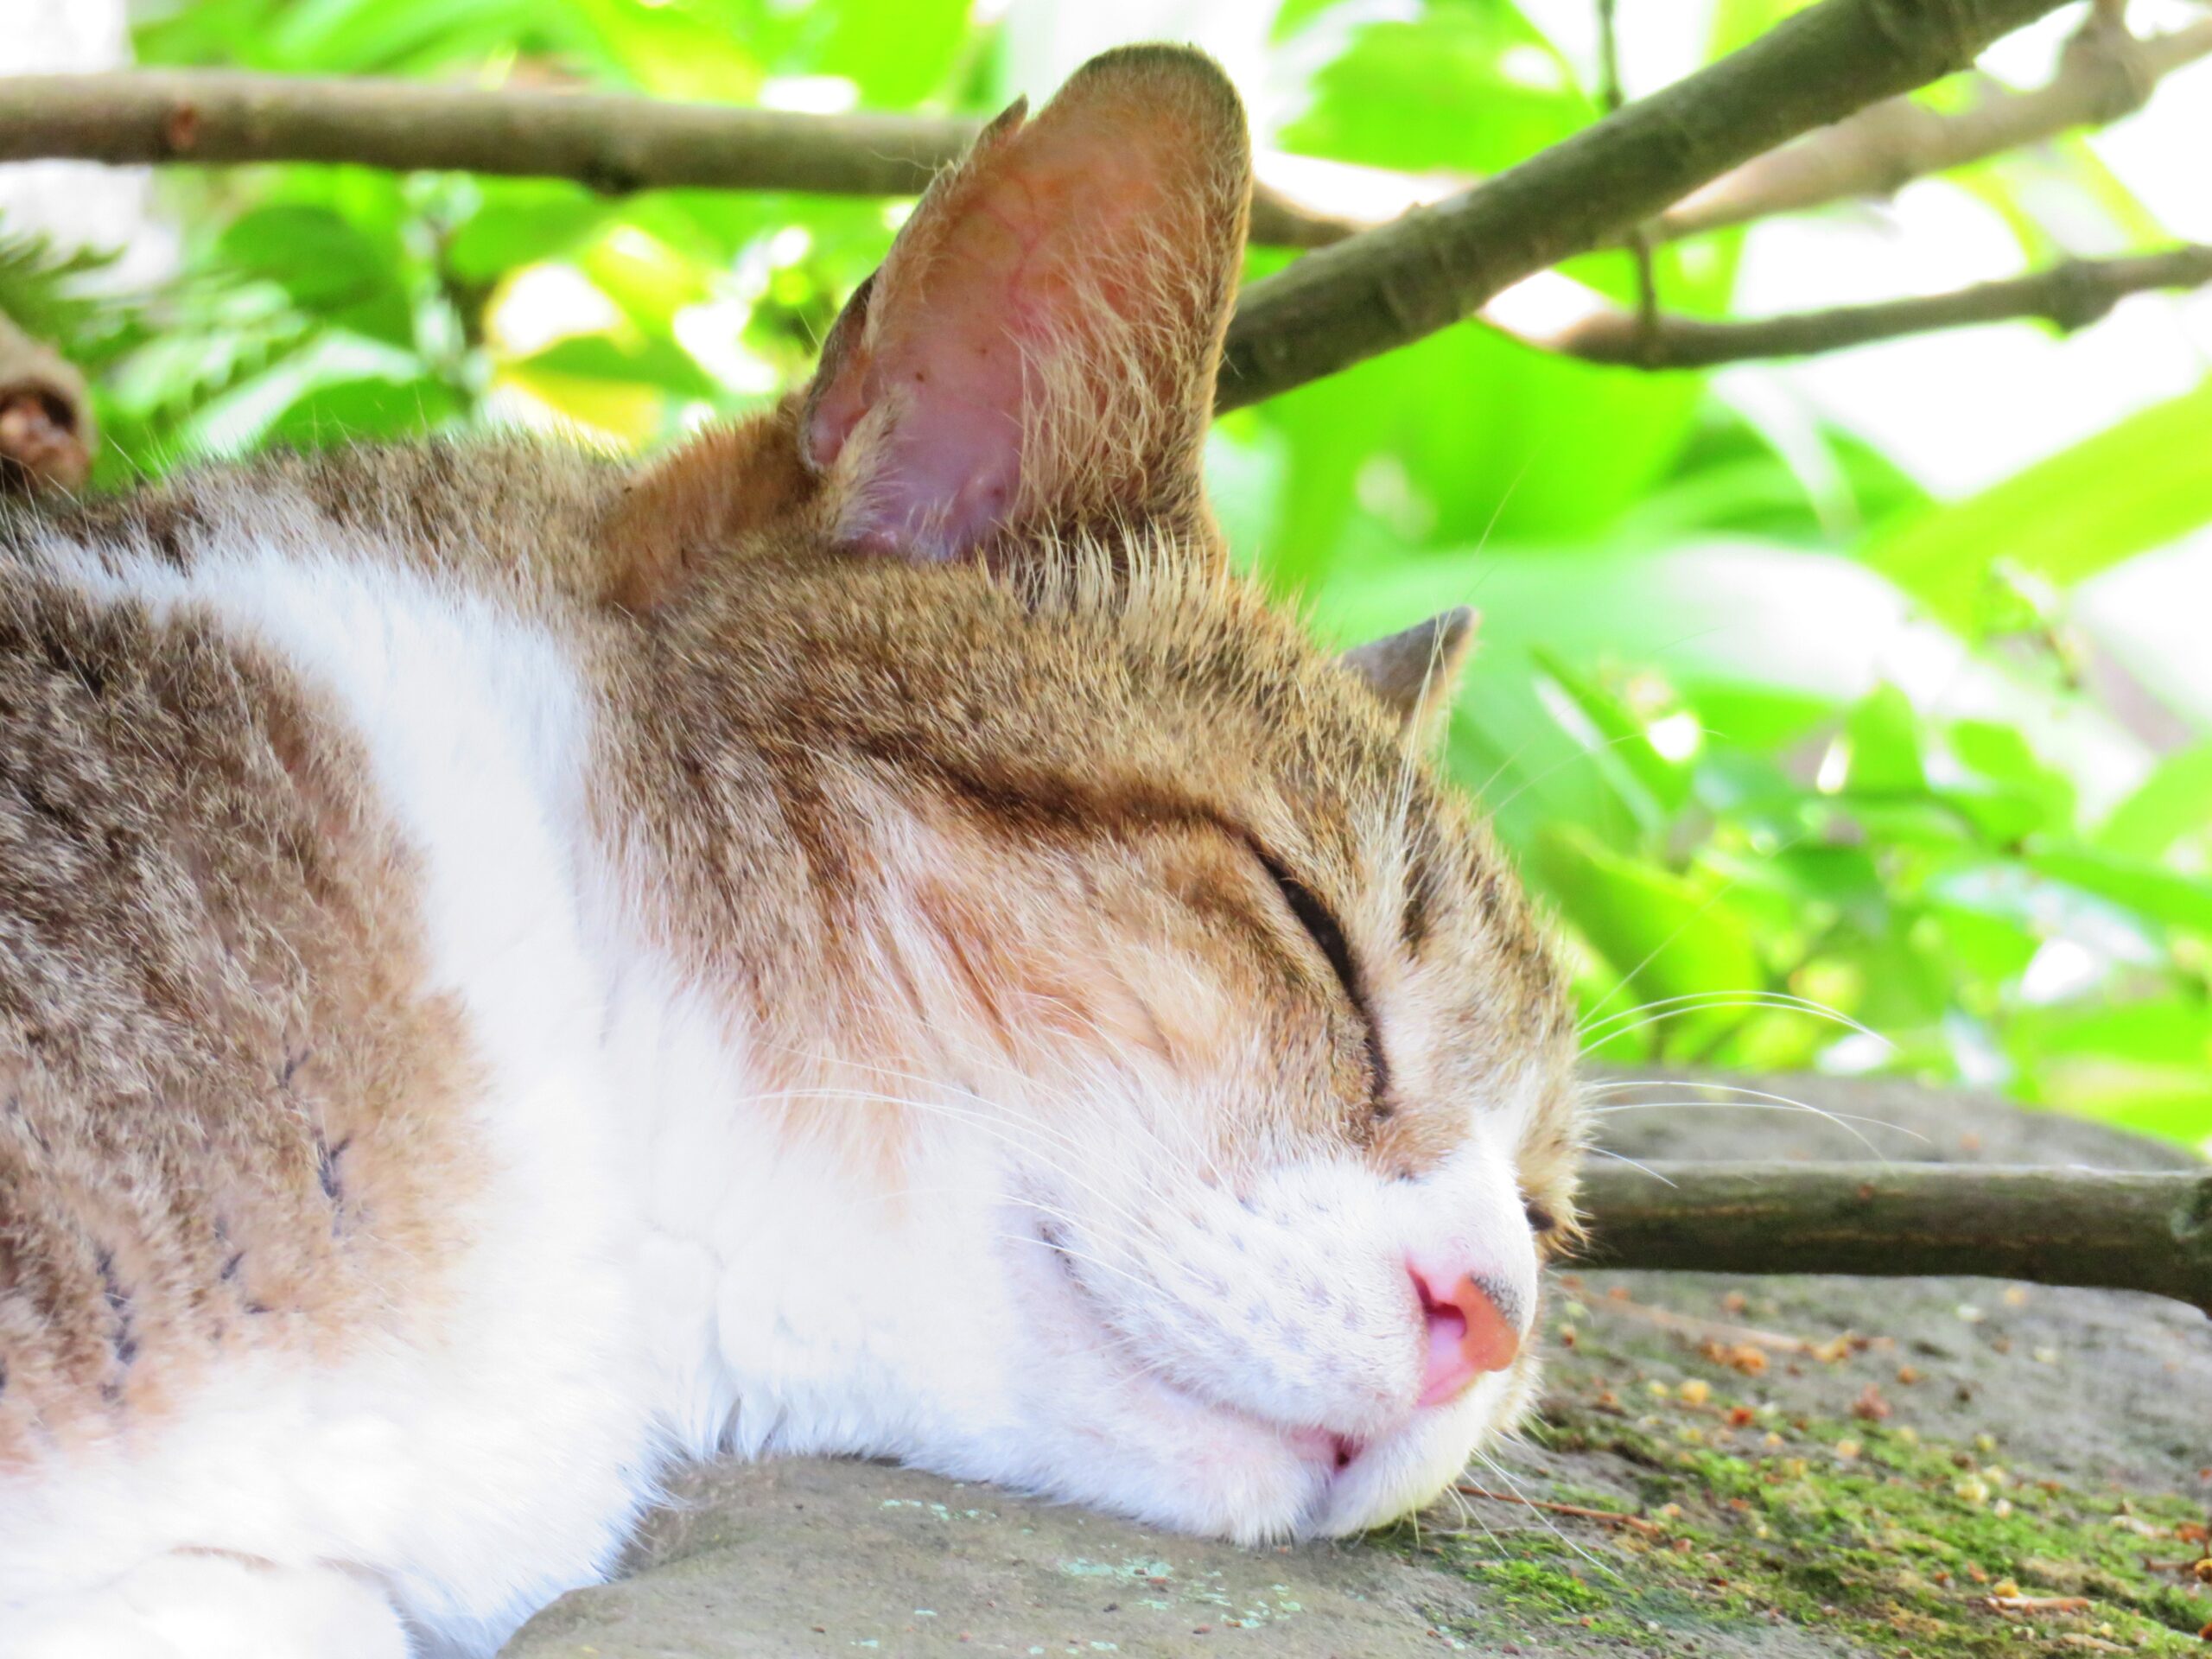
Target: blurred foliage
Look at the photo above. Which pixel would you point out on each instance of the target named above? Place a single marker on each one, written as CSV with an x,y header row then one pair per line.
x,y
1759,858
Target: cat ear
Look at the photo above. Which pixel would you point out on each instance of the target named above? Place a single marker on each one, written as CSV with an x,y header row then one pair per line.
x,y
1416,672
1038,349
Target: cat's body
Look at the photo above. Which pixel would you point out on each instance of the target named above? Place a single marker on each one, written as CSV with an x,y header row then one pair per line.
x,y
513,970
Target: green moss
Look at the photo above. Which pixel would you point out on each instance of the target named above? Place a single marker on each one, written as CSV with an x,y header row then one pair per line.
x,y
1866,1532
1519,1582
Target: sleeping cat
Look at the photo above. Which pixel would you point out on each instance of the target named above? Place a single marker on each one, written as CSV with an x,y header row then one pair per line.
x,y
863,937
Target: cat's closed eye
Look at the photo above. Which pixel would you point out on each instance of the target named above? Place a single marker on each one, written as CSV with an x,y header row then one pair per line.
x,y
1327,934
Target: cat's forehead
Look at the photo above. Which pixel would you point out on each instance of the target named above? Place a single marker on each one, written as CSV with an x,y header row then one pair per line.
x,y
1135,677
1145,678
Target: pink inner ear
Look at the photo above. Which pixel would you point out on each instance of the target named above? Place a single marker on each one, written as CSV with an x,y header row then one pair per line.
x,y
981,311
955,368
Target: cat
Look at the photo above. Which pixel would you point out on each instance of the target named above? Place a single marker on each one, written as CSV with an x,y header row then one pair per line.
x,y
863,935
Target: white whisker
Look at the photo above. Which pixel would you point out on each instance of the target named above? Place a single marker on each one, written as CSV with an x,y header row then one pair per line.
x,y
1761,1101
1600,1152
1548,1524
1700,1002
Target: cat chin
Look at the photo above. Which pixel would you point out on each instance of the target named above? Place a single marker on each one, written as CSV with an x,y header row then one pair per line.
x,y
1074,1418
1160,1456
1393,1477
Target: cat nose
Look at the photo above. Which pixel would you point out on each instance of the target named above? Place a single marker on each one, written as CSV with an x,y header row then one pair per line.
x,y
1473,1328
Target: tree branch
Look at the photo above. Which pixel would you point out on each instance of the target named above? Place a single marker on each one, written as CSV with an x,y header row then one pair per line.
x,y
2105,73
2116,1231
1357,295
1402,281
2072,294
609,142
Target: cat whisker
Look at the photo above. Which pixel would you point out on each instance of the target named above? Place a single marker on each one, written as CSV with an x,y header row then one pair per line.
x,y
1051,1212
1591,1021
1029,1082
1584,751
1144,1285
1002,1128
1846,1122
1013,1121
1676,1007
1687,923
1535,1508
1761,1100
1600,1152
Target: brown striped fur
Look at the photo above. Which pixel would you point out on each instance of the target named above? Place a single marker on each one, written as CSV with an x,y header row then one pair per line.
x,y
224,1089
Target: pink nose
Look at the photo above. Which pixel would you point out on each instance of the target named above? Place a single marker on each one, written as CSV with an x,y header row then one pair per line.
x,y
1468,1334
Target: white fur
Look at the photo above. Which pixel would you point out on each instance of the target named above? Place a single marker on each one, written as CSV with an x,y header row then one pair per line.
x,y
480,1468
201,1607
653,1274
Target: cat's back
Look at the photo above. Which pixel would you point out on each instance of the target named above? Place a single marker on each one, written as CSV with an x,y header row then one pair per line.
x,y
285,974
212,973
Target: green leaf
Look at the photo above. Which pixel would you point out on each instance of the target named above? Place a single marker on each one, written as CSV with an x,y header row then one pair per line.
x,y
1731,476
337,388
1882,739
1664,934
650,280
1993,949
1844,882
2001,788
2002,755
1469,88
1652,787
1737,23
42,293
2174,802
1472,88
2143,1065
1513,462
1906,987
2134,487
326,264
698,51
657,363
520,222
2150,892
896,53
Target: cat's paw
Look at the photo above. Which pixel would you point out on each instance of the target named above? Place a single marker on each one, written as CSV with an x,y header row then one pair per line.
x,y
190,1606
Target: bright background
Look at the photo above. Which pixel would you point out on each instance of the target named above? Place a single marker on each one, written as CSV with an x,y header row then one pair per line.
x,y
1852,714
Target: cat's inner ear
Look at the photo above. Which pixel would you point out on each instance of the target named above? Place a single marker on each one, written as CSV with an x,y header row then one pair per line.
x,y
1416,672
1038,351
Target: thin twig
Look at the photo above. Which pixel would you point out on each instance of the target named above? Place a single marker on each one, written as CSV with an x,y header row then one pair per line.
x,y
2105,73
1435,265
1611,1517
1575,321
2036,1603
1611,97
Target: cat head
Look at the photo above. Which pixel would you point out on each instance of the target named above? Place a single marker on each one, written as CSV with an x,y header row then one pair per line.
x,y
1188,1086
